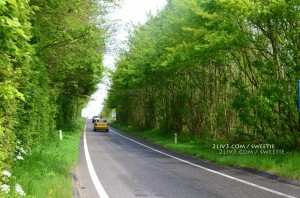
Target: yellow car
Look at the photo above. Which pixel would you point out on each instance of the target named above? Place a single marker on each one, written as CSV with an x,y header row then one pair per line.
x,y
101,124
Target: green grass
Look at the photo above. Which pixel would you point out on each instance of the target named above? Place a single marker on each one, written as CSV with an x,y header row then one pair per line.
x,y
46,173
286,165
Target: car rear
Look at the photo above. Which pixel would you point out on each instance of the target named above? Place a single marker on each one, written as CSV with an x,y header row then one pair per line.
x,y
101,124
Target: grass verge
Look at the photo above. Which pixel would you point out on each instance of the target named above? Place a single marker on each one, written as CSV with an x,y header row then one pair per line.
x,y
271,160
47,171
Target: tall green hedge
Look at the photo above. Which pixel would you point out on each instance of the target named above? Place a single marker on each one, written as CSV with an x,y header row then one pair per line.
x,y
15,62
50,63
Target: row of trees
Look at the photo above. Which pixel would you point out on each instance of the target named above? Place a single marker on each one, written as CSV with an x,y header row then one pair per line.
x,y
50,63
219,69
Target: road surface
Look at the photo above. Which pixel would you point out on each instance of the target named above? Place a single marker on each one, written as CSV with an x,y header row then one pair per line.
x,y
117,166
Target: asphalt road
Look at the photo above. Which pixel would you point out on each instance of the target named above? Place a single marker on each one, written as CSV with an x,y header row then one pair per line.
x,y
117,166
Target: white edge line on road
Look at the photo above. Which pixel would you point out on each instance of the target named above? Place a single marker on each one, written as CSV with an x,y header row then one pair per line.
x,y
216,172
95,179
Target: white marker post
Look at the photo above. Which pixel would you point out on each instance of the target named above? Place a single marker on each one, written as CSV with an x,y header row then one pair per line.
x,y
60,134
175,138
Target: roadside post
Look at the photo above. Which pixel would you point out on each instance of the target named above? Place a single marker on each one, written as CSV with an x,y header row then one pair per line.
x,y
60,135
175,138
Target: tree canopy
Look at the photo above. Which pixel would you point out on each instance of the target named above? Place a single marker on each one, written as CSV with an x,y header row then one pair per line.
x,y
219,69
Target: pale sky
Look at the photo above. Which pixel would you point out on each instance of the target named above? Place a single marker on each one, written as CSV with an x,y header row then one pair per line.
x,y
135,10
131,11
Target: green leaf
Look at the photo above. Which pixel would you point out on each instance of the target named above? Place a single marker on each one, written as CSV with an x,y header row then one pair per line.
x,y
12,2
2,2
12,22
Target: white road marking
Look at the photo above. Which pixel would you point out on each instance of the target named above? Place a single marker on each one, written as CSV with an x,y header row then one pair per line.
x,y
207,169
95,179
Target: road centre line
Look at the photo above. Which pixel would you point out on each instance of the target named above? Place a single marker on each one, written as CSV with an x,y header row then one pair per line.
x,y
95,179
207,169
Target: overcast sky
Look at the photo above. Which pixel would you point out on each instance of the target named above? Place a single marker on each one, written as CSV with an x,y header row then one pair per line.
x,y
131,11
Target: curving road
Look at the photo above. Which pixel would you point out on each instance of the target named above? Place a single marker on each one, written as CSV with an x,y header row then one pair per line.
x,y
118,166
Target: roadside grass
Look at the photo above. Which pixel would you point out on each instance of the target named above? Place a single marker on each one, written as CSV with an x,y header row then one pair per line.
x,y
286,164
47,171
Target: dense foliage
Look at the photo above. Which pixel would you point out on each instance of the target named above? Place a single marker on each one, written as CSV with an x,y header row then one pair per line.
x,y
219,69
50,63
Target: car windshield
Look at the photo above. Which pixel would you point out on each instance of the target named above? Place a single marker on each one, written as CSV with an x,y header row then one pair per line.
x,y
96,116
102,120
